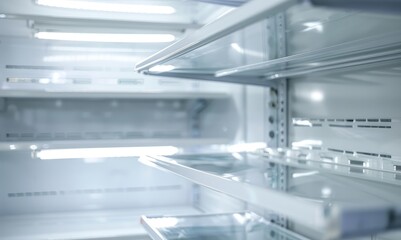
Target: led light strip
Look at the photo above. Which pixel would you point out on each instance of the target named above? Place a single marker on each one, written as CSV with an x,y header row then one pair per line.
x,y
106,37
93,153
107,6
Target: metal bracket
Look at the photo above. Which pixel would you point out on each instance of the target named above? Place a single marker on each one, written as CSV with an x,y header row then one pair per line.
x,y
277,111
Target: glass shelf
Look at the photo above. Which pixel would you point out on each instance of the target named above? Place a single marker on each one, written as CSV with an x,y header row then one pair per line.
x,y
22,145
338,206
113,94
371,51
237,19
316,43
234,226
234,3
380,168
82,225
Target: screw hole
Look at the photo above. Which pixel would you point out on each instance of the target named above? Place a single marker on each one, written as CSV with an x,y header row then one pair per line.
x,y
271,134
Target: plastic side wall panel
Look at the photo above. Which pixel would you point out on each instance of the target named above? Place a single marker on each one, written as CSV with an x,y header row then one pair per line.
x,y
366,96
210,201
83,67
222,117
64,119
313,28
359,109
369,96
30,186
255,114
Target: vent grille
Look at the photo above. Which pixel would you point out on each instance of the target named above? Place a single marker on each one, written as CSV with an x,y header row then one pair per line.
x,y
378,123
75,81
350,152
126,190
29,136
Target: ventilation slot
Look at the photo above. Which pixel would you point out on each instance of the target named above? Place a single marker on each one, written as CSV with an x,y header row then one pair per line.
x,y
130,81
335,150
344,123
74,81
368,154
360,153
340,126
89,135
31,67
358,166
397,168
81,81
93,191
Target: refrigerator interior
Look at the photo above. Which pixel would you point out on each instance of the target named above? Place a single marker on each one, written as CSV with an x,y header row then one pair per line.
x,y
332,101
332,107
63,95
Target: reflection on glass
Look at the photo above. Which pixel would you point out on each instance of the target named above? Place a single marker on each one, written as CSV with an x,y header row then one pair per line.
x,y
236,226
313,26
307,183
162,68
317,96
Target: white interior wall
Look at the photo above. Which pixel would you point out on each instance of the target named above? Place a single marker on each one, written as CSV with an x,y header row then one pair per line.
x,y
342,102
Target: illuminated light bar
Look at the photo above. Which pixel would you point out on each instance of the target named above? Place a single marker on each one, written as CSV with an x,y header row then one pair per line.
x,y
106,37
108,6
91,58
91,153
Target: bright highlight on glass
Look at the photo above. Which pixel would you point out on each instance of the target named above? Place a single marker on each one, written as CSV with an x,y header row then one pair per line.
x,y
33,147
44,80
248,52
237,48
317,96
108,6
162,68
92,153
304,174
165,222
316,26
307,143
247,147
300,122
106,37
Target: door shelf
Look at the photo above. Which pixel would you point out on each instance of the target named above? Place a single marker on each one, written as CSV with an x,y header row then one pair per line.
x,y
336,205
246,225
